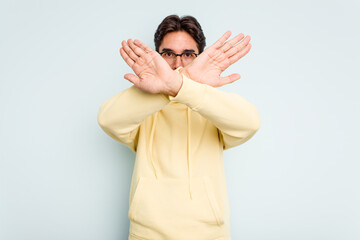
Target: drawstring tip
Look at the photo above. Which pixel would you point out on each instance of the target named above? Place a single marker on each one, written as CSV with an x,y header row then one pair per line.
x,y
190,195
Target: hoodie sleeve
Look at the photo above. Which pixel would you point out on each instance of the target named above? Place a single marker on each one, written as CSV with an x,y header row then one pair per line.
x,y
121,115
237,120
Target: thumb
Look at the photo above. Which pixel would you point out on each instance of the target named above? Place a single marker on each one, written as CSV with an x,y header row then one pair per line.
x,y
229,79
132,78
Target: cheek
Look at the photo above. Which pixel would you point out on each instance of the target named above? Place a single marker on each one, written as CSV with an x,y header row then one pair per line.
x,y
187,63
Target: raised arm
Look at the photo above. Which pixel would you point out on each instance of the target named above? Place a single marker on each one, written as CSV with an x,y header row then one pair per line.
x,y
121,115
236,119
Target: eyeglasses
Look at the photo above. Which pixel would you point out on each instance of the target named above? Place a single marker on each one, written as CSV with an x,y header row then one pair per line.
x,y
186,57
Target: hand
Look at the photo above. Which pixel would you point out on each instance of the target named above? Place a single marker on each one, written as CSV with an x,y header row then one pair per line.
x,y
209,65
153,73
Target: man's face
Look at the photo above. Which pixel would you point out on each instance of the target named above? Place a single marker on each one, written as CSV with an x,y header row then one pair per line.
x,y
178,42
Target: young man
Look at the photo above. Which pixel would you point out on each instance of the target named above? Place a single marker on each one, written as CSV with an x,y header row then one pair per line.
x,y
178,124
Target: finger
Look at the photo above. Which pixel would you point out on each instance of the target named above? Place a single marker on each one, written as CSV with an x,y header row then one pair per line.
x,y
143,46
132,78
138,51
237,48
229,79
129,51
229,44
126,57
221,40
240,54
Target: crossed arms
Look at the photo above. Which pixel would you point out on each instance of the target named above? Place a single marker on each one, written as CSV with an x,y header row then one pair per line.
x,y
154,75
194,85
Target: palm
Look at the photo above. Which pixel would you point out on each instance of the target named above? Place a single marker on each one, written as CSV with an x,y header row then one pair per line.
x,y
150,71
153,74
209,65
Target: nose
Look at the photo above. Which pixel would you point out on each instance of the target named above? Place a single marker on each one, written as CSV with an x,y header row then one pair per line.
x,y
178,62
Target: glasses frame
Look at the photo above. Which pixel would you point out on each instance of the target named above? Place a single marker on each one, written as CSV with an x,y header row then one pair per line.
x,y
180,55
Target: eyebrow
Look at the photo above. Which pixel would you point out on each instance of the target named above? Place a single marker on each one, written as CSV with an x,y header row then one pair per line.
x,y
170,50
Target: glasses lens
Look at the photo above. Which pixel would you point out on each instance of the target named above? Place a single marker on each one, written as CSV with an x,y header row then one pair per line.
x,y
168,56
188,57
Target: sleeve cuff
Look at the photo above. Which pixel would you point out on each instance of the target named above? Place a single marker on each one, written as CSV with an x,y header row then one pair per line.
x,y
191,93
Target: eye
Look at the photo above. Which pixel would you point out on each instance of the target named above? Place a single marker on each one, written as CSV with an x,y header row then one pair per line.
x,y
188,55
168,54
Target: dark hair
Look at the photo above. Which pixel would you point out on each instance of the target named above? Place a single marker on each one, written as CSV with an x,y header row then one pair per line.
x,y
174,23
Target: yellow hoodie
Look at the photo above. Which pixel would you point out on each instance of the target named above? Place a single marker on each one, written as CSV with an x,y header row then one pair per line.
x,y
178,189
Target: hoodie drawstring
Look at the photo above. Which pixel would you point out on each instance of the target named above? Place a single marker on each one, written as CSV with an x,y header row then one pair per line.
x,y
152,133
188,148
151,143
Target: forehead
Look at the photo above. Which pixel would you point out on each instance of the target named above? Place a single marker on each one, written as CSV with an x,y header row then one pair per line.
x,y
178,42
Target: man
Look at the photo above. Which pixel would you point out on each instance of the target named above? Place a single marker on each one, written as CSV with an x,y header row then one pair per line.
x,y
178,124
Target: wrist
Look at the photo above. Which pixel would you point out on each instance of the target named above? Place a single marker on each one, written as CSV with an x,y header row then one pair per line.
x,y
185,72
176,84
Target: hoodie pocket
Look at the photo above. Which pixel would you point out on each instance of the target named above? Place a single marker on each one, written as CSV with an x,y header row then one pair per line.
x,y
134,200
162,209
